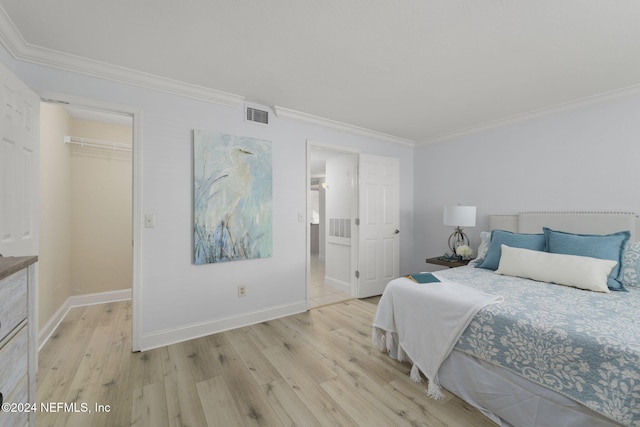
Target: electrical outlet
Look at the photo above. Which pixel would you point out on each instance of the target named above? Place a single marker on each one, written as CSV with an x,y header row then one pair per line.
x,y
149,221
242,291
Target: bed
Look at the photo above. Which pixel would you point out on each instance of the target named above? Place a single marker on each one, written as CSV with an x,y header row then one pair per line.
x,y
527,352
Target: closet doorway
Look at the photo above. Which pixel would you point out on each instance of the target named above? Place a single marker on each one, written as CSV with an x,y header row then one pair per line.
x,y
332,195
86,206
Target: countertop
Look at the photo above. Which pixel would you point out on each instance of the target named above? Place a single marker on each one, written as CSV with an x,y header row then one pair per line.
x,y
12,264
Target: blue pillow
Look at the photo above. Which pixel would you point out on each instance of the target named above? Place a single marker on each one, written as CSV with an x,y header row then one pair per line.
x,y
603,246
534,242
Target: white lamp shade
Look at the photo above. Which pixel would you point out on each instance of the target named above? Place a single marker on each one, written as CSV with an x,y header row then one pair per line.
x,y
460,216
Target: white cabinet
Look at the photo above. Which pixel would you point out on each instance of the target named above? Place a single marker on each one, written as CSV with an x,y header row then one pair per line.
x,y
17,341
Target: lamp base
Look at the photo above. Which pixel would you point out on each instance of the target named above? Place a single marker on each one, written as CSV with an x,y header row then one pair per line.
x,y
457,238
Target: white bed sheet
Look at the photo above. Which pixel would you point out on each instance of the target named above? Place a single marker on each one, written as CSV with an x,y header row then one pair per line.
x,y
406,307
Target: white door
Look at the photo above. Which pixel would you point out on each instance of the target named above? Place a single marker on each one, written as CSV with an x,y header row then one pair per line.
x,y
379,238
19,148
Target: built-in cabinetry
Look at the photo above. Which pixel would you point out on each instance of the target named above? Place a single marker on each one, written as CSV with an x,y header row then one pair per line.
x,y
17,341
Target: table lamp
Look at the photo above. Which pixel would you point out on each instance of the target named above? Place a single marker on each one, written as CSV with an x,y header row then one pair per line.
x,y
458,217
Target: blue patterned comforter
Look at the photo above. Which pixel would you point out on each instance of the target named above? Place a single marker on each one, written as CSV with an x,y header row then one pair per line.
x,y
584,345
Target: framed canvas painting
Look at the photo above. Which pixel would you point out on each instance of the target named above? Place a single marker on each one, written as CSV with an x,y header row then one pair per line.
x,y
232,197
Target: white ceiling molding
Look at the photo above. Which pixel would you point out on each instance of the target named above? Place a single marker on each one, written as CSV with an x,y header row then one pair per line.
x,y
286,113
15,44
572,105
10,37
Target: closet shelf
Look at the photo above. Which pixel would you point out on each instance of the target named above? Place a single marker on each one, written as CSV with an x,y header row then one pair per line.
x,y
97,143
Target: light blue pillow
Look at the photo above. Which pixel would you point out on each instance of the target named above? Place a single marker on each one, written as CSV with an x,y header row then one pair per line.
x,y
534,242
631,265
603,246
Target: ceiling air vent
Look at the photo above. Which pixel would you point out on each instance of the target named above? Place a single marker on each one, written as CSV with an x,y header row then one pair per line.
x,y
258,116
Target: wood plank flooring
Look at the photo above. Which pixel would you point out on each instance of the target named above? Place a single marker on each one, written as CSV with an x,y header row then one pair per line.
x,y
313,369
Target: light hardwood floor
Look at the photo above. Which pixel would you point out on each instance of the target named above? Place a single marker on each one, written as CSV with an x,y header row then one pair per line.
x,y
313,369
321,293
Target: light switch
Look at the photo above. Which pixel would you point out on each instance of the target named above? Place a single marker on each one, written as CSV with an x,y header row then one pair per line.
x,y
149,221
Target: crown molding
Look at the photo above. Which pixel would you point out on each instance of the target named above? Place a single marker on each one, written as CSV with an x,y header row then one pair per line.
x,y
20,50
286,113
10,37
519,118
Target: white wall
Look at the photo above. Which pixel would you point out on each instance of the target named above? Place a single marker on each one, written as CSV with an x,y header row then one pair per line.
x,y
101,211
584,159
178,299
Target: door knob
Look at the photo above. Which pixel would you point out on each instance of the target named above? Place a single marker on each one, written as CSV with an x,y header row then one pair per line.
x,y
397,231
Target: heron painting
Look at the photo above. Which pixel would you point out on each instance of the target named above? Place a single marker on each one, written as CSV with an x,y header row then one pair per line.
x,y
232,197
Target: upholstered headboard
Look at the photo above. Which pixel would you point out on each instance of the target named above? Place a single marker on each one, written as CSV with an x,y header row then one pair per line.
x,y
573,222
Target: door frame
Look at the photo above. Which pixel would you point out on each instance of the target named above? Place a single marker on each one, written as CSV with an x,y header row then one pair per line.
x,y
354,230
136,201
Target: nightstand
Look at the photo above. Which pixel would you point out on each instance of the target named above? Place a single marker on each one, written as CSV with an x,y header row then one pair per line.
x,y
447,263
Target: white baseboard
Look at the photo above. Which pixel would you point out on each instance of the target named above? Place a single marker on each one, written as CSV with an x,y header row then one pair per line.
x,y
100,298
78,301
338,284
162,338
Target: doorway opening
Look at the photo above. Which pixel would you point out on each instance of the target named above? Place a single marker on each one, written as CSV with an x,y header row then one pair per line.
x,y
94,146
332,210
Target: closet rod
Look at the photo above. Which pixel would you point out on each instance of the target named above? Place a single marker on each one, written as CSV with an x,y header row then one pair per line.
x,y
97,143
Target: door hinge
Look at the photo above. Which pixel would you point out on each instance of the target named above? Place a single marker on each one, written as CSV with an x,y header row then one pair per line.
x,y
357,274
357,221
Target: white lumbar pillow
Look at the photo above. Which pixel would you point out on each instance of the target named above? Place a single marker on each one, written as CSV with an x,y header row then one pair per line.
x,y
569,270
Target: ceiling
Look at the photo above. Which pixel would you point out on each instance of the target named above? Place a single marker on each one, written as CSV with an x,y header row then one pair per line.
x,y
416,70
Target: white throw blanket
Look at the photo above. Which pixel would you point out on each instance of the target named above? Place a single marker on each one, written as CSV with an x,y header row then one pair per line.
x,y
424,322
